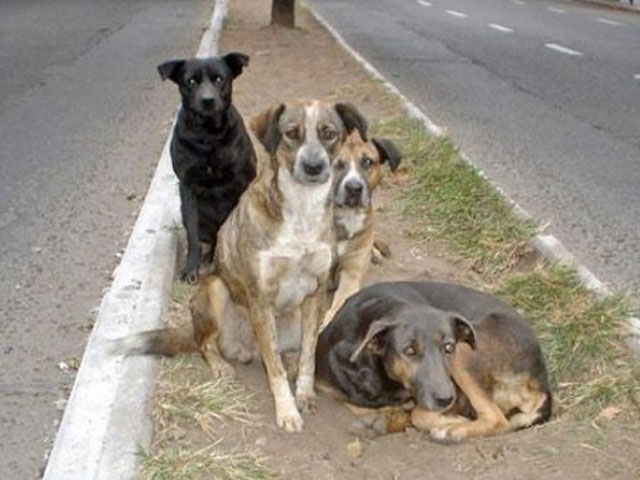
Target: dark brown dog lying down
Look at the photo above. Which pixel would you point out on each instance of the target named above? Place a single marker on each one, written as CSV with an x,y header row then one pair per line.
x,y
466,363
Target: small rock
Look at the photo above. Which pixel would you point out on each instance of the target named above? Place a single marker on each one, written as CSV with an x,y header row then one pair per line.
x,y
64,366
355,449
132,196
61,404
609,413
261,442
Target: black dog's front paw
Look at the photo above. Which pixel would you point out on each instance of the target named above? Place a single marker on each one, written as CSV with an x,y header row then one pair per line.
x,y
189,275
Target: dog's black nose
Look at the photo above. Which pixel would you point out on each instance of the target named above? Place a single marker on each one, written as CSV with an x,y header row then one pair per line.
x,y
353,187
443,402
313,167
207,102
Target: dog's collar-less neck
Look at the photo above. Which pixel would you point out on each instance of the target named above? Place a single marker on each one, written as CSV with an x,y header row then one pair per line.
x,y
217,125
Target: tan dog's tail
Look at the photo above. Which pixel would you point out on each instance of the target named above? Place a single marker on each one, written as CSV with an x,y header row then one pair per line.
x,y
164,341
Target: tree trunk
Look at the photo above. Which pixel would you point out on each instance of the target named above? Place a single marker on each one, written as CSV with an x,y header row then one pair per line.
x,y
282,13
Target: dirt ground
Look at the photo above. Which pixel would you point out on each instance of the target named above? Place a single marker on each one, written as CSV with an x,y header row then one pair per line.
x,y
306,62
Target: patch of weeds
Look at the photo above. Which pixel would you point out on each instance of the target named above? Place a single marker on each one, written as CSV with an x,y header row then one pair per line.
x,y
205,463
581,337
181,396
448,199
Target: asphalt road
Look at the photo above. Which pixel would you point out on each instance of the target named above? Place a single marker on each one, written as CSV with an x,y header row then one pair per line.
x,y
543,95
83,118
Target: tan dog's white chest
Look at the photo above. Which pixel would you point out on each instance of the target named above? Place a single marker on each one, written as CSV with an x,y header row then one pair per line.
x,y
352,222
301,256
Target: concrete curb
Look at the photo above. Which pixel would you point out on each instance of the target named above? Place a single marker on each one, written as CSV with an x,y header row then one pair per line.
x,y
107,419
545,245
612,5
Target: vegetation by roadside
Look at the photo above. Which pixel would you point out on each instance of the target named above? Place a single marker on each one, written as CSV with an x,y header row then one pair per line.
x,y
581,334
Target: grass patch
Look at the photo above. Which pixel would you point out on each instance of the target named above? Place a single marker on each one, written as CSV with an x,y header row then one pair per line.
x,y
581,337
448,199
181,396
205,463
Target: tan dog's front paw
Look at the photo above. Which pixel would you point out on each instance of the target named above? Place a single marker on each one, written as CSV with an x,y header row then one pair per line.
x,y
221,369
306,402
291,421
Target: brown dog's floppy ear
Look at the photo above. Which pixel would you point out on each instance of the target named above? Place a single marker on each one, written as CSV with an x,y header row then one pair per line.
x,y
388,152
463,330
236,62
172,69
375,329
352,119
265,127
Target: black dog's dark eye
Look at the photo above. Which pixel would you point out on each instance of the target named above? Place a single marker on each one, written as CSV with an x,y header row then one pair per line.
x,y
449,348
218,79
367,162
409,351
191,82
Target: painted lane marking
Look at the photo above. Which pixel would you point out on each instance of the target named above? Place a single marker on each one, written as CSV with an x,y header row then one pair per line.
x,y
561,49
500,28
637,76
518,2
556,10
609,22
423,3
457,14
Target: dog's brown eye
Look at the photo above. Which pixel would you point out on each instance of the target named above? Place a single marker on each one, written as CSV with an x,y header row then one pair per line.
x,y
409,351
449,348
340,164
367,162
328,134
292,133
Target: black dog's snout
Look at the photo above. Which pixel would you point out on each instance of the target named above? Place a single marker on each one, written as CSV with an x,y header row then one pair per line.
x,y
443,402
353,187
208,102
313,166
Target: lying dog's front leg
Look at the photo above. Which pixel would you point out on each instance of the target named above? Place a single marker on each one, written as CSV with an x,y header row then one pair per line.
x,y
189,209
264,325
305,394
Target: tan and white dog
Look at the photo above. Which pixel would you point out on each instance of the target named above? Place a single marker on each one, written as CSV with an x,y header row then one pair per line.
x,y
273,257
358,170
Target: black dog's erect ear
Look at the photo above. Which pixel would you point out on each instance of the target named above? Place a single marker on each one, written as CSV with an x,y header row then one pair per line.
x,y
352,119
265,127
236,62
463,330
172,69
388,152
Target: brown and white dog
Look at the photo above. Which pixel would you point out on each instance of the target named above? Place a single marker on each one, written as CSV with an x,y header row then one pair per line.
x,y
273,257
358,170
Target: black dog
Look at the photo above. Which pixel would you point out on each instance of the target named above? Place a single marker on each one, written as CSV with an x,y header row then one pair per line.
x,y
211,152
471,363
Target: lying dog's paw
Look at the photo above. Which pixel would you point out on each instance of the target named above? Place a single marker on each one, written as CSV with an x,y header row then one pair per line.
x,y
290,420
306,402
448,434
369,426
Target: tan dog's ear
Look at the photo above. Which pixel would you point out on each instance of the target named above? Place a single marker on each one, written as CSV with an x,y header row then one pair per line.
x,y
463,330
265,127
388,152
352,119
372,339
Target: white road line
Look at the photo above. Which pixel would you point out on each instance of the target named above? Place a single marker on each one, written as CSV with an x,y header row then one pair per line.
x,y
608,22
561,49
423,3
637,76
457,14
501,28
518,2
556,10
